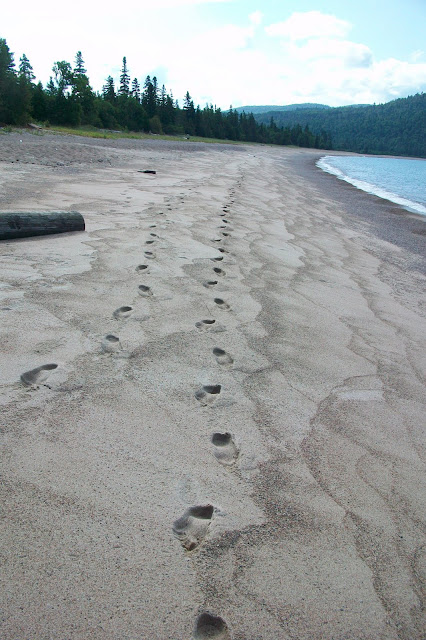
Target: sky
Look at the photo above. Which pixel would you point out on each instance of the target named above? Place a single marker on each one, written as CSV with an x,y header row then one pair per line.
x,y
233,52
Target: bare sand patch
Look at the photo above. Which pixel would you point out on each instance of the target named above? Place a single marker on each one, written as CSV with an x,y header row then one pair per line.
x,y
242,459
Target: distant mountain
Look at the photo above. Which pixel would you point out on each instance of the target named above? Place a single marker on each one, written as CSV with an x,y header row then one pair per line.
x,y
394,128
288,107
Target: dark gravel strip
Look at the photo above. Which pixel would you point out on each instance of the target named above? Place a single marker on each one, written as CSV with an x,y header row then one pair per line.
x,y
385,220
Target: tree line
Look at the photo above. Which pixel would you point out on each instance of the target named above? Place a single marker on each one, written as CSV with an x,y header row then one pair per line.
x,y
69,100
397,127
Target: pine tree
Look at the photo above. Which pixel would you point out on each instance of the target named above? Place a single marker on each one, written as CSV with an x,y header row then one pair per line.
x,y
163,97
7,64
136,90
155,89
124,80
25,91
25,69
8,84
108,90
188,114
161,106
168,114
39,103
82,91
50,87
79,64
188,103
149,96
15,88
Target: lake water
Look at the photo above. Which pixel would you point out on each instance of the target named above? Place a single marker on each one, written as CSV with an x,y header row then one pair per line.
x,y
400,180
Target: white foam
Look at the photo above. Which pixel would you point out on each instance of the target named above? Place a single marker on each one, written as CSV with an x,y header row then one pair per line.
x,y
370,188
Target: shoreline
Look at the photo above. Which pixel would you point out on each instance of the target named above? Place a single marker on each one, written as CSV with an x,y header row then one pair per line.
x,y
230,441
387,220
408,204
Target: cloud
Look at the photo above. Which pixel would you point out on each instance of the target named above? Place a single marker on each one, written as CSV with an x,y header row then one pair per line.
x,y
309,59
230,36
340,53
394,78
326,68
225,74
334,84
256,17
311,24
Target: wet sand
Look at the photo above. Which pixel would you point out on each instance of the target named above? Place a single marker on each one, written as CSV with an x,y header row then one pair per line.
x,y
232,442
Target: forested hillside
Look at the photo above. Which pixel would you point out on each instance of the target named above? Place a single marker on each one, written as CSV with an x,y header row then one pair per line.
x,y
393,128
69,100
287,107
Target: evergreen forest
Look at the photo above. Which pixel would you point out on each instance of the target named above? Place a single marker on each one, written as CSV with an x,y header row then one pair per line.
x,y
69,100
394,128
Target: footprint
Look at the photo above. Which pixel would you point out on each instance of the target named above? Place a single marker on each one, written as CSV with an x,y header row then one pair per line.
x,y
222,250
225,449
216,239
222,357
225,234
209,283
220,272
204,324
149,242
217,259
225,221
123,312
210,626
208,393
149,254
144,291
110,343
154,235
142,267
192,527
152,226
38,375
222,304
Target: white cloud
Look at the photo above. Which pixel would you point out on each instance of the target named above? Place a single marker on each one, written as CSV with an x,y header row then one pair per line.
x,y
226,66
212,44
334,84
318,64
341,53
311,60
225,74
256,17
312,24
394,78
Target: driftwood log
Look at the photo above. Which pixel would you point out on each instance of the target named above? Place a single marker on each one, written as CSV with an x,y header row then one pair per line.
x,y
27,224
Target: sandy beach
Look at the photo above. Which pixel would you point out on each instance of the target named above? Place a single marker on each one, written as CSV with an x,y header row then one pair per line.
x,y
231,444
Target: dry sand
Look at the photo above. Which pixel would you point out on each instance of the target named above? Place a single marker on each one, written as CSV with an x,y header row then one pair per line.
x,y
256,477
